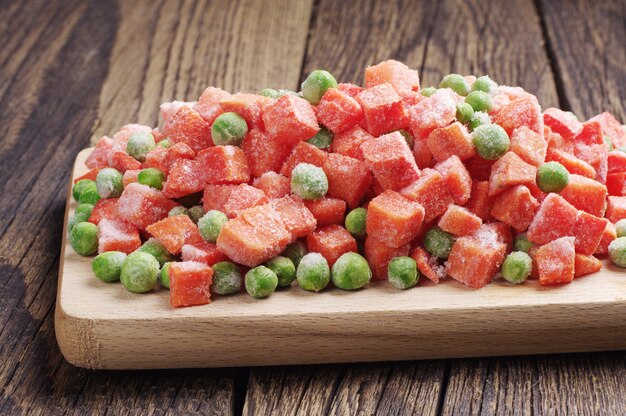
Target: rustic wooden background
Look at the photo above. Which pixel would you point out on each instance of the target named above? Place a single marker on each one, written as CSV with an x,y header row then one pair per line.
x,y
73,69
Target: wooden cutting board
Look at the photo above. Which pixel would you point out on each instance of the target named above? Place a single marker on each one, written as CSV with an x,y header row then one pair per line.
x,y
100,325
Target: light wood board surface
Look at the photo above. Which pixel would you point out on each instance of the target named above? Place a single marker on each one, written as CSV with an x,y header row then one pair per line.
x,y
100,325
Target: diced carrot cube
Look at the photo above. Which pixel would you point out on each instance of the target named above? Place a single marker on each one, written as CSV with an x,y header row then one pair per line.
x,y
348,178
457,179
247,244
273,184
208,105
204,252
338,111
190,283
156,159
555,218
350,89
174,232
290,119
584,265
474,263
563,122
479,168
142,205
104,208
616,208
295,216
555,261
390,160
349,142
459,221
431,192
616,161
99,156
130,176
609,127
573,164
176,152
451,140
529,145
403,79
248,106
608,236
423,158
516,207
597,156
508,171
123,162
216,196
588,231
327,210
496,232
585,194
303,153
186,177
187,126
523,111
224,164
393,219
436,111
264,153
616,183
379,255
428,265
331,242
242,197
117,235
383,109
268,221
92,174
480,202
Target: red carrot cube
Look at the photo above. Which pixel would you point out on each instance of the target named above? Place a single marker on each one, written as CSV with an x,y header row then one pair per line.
x,y
224,164
379,255
457,179
555,261
327,210
431,192
588,231
508,171
383,109
303,153
555,218
290,119
515,207
349,142
459,221
390,160
331,242
174,232
393,219
529,145
338,111
585,194
264,153
451,140
348,178
190,283
187,126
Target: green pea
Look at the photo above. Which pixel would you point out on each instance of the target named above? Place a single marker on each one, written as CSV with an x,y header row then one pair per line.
x,y
288,92
140,144
157,250
88,193
80,186
480,101
108,266
552,177
211,224
517,267
622,149
151,177
620,228
269,92
164,276
165,143
456,83
229,129
522,244
196,212
438,242
284,269
109,183
227,278
491,141
313,273
295,251
316,84
351,272
261,282
428,91
308,181
322,139
355,222
408,137
478,119
484,84
617,252
84,238
81,214
140,272
402,272
464,113
179,210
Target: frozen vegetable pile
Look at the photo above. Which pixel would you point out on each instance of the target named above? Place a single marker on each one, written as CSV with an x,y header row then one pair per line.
x,y
339,183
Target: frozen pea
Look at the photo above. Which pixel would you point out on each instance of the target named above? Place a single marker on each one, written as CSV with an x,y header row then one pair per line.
x,y
140,272
522,243
79,186
284,269
211,224
351,272
484,84
109,183
313,273
620,228
261,282
316,84
81,214
552,177
84,238
229,129
408,137
517,267
456,83
617,252
322,139
355,222
196,212
164,276
157,250
108,266
282,92
464,113
151,177
269,92
179,210
428,91
491,141
478,119
89,193
295,251
308,181
480,101
438,242
139,145
402,272
165,143
227,278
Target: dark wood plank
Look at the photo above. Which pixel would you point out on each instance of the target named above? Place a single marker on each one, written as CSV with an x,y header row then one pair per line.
x,y
586,43
67,68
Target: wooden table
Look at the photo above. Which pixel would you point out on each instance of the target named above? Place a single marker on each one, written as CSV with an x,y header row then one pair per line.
x,y
71,70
